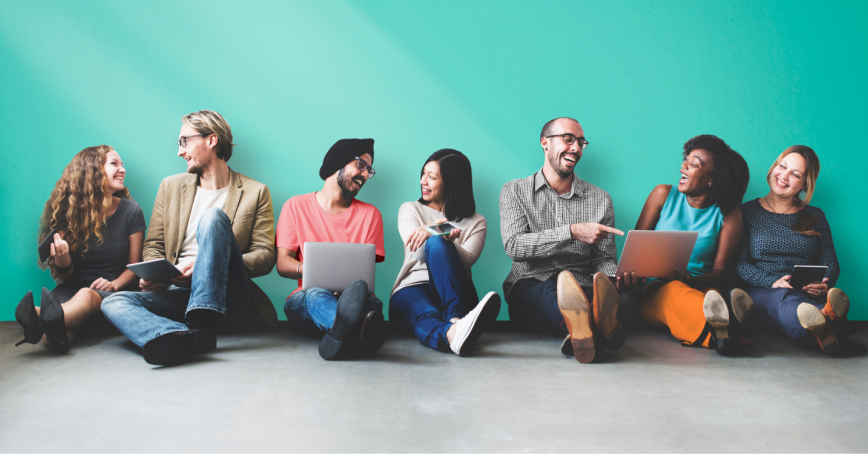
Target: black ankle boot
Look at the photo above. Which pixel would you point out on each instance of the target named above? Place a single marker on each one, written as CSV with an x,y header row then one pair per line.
x,y
26,316
51,314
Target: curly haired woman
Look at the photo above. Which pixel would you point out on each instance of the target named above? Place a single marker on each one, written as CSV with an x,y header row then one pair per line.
x,y
100,230
714,178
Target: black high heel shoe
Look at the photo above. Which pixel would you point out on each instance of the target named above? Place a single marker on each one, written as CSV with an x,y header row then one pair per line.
x,y
52,321
26,315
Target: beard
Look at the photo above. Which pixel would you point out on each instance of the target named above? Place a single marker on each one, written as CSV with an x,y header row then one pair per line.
x,y
346,183
562,171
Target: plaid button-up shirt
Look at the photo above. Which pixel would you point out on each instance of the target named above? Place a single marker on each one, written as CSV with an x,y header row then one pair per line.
x,y
535,227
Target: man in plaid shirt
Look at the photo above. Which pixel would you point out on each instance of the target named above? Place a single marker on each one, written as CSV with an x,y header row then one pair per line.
x,y
558,230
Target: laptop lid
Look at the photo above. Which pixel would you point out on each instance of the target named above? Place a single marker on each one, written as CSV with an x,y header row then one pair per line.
x,y
334,266
654,253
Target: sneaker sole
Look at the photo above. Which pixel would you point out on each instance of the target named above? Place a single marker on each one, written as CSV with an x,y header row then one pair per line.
x,y
577,314
606,302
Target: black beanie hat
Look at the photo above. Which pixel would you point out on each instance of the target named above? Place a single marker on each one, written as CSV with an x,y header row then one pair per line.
x,y
344,151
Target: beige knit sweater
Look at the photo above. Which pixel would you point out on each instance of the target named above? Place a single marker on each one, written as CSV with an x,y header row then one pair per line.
x,y
469,243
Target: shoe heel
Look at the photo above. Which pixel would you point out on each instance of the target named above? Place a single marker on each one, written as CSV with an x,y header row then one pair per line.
x,y
329,347
716,314
814,322
576,311
26,316
52,321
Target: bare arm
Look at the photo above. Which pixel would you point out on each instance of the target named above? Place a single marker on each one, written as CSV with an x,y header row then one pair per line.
x,y
287,265
653,206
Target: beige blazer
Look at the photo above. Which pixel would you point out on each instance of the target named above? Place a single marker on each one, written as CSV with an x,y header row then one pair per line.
x,y
248,206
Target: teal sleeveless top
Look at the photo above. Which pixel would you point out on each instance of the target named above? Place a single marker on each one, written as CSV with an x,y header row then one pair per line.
x,y
678,215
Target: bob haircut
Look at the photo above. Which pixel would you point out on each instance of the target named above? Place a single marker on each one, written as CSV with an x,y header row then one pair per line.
x,y
458,202
730,174
806,223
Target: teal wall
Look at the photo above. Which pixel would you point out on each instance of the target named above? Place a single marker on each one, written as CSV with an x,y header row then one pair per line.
x,y
481,77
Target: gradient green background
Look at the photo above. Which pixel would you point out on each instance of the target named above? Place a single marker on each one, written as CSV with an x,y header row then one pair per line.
x,y
481,77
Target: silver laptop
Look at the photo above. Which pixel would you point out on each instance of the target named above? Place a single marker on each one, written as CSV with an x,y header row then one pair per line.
x,y
334,266
654,253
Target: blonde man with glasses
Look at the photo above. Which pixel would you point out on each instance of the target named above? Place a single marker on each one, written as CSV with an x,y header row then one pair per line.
x,y
558,230
217,227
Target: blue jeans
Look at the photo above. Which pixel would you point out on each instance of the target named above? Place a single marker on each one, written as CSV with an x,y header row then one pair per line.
x,y
533,305
219,284
313,311
778,307
427,308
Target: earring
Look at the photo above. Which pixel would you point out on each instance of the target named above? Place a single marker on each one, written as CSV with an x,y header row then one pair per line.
x,y
709,184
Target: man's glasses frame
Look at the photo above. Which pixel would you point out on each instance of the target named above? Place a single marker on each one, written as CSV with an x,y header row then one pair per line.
x,y
362,165
569,139
182,141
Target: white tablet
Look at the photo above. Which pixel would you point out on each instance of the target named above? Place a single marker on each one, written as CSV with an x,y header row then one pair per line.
x,y
334,266
655,253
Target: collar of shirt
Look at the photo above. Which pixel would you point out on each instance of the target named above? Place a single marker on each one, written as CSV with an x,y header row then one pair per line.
x,y
539,180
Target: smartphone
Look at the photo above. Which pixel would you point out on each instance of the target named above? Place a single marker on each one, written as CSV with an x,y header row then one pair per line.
x,y
441,229
45,246
807,274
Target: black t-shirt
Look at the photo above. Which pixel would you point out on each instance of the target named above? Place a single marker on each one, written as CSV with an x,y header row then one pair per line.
x,y
109,259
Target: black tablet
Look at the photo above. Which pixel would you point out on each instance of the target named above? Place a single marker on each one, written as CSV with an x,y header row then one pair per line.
x,y
159,270
807,274
45,246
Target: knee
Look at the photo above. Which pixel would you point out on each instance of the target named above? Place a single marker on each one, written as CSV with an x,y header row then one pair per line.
x,y
113,303
92,298
212,217
436,244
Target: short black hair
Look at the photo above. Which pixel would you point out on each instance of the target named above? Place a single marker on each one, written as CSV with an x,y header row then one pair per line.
x,y
730,174
457,176
547,128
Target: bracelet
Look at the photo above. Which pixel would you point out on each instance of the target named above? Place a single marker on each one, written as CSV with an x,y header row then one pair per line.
x,y
60,270
297,273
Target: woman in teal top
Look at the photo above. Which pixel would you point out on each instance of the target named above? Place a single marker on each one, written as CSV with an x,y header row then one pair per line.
x,y
713,181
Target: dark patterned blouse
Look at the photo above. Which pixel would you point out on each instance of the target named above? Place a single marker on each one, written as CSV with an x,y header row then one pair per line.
x,y
770,248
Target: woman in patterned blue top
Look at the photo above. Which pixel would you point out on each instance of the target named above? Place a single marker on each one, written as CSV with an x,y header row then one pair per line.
x,y
780,231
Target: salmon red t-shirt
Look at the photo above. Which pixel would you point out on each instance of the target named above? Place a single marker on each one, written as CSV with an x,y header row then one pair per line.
x,y
302,219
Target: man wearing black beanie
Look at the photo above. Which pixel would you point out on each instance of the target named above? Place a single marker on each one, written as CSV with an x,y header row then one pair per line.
x,y
353,321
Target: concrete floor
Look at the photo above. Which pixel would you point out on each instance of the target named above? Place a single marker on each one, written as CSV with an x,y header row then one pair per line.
x,y
272,392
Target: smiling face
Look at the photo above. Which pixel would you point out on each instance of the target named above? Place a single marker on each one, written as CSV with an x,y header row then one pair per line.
x,y
788,178
560,157
114,171
351,179
432,184
199,152
696,173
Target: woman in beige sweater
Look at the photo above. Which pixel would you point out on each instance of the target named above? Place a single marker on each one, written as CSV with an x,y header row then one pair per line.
x,y
434,294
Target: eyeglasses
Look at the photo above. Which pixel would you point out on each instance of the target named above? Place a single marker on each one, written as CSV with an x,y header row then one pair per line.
x,y
362,165
182,141
569,139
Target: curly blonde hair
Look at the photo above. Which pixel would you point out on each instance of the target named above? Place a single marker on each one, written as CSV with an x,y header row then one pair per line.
x,y
80,201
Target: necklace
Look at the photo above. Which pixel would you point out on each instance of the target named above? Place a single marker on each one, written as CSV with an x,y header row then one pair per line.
x,y
766,198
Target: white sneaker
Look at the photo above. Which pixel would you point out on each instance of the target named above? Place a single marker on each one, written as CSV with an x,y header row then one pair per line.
x,y
469,328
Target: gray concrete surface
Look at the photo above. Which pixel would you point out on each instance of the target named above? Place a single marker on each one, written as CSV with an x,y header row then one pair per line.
x,y
272,392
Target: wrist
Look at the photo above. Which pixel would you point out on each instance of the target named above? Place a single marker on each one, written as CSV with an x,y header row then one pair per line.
x,y
62,269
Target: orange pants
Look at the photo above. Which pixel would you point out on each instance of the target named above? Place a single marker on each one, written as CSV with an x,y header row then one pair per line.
x,y
678,307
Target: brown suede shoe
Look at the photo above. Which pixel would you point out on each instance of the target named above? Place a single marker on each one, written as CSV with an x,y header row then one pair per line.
x,y
605,309
574,306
